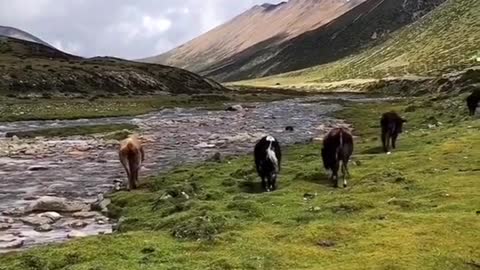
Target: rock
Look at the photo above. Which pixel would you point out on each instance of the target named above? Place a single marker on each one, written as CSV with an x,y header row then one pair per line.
x,y
37,168
6,220
101,205
51,215
36,221
78,224
57,204
101,220
309,196
85,215
203,145
15,212
75,234
326,243
235,108
217,157
11,244
4,226
44,228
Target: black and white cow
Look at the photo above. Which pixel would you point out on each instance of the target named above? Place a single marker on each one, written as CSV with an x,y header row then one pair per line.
x,y
268,157
336,152
392,126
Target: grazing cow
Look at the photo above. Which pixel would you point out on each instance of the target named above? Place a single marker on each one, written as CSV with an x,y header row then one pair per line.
x,y
337,148
268,157
131,156
472,101
392,126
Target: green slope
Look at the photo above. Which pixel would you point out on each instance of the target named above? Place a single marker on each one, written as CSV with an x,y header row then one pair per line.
x,y
445,40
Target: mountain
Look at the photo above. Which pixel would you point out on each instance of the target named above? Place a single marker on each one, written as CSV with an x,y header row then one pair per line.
x,y
262,25
301,34
29,68
7,31
444,41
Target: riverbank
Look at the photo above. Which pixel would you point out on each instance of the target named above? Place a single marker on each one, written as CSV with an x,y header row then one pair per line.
x,y
416,208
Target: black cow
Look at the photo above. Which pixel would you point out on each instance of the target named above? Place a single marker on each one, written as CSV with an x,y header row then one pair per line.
x,y
337,148
392,126
268,157
472,101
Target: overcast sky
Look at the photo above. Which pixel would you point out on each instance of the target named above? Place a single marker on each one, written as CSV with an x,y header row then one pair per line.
x,y
125,28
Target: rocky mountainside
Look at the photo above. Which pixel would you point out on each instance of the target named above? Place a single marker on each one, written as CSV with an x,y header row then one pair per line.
x,y
341,29
262,25
12,32
28,68
444,41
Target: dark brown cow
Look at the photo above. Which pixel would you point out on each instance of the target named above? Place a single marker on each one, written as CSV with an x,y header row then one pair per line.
x,y
336,152
392,126
472,101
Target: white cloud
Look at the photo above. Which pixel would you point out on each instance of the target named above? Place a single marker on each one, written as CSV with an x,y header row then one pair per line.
x,y
126,28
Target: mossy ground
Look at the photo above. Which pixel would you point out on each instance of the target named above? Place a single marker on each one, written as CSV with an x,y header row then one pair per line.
x,y
414,209
14,109
114,131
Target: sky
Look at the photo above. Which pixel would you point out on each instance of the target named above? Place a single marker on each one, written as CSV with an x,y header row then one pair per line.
x,y
129,29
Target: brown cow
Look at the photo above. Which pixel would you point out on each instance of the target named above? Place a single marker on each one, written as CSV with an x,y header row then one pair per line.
x,y
131,156
337,148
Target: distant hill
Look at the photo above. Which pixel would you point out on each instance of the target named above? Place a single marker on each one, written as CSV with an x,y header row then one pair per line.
x,y
446,40
29,68
12,32
293,36
261,26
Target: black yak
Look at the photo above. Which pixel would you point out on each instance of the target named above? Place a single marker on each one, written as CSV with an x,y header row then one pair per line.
x,y
268,157
392,126
336,152
472,101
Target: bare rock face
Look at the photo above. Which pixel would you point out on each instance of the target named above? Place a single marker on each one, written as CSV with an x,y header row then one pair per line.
x,y
57,204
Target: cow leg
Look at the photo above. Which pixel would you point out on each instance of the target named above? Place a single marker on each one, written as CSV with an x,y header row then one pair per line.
x,y
335,175
385,141
264,184
273,186
345,173
394,140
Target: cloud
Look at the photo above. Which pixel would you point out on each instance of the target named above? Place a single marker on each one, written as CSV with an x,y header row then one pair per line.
x,y
124,28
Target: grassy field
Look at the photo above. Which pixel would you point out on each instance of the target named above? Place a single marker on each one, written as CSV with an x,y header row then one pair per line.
x,y
14,109
445,40
117,131
414,209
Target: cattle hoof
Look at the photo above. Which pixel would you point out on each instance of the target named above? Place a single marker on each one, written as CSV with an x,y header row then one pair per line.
x,y
345,185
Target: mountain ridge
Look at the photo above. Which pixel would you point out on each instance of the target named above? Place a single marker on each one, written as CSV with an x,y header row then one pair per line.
x,y
8,31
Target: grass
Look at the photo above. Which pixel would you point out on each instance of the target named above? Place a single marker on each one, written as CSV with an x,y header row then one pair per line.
x,y
414,209
443,41
117,131
14,109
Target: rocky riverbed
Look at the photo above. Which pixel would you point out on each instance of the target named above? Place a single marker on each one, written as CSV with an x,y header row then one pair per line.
x,y
48,186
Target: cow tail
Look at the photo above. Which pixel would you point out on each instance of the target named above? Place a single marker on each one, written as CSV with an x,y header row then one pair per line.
x,y
271,153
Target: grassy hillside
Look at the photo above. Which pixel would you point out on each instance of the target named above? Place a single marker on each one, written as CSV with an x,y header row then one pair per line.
x,y
445,40
31,69
415,209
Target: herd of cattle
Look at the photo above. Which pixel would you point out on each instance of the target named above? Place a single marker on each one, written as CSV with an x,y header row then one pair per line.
x,y
336,152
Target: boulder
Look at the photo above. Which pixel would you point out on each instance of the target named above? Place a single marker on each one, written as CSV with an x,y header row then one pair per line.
x,y
75,234
235,108
11,243
36,221
44,228
51,215
85,215
5,226
57,204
